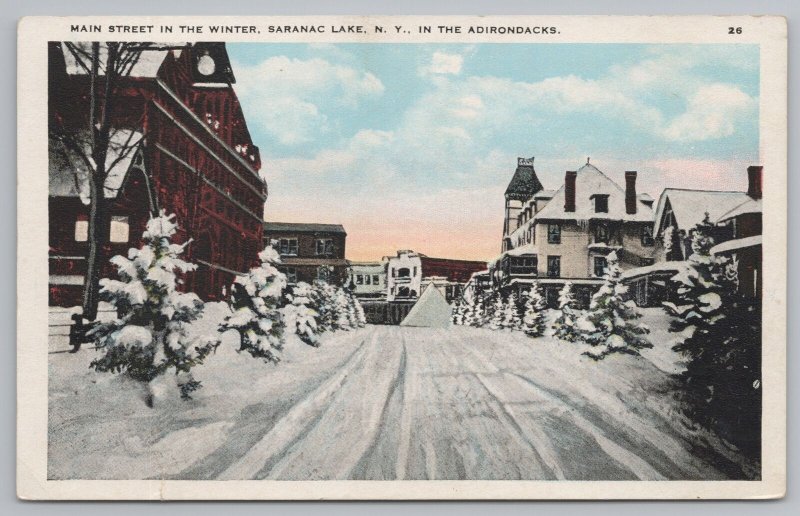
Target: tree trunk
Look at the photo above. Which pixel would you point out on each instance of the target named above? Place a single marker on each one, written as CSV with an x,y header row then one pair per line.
x,y
99,227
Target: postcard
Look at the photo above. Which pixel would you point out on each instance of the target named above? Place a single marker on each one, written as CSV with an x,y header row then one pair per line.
x,y
450,257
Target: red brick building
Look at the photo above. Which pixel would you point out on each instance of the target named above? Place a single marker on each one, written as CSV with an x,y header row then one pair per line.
x,y
181,144
309,252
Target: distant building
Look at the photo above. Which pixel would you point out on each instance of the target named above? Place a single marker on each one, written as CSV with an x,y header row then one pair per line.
x,y
550,237
368,280
179,142
409,273
309,252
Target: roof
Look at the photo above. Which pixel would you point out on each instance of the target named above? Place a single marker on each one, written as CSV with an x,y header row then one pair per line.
x,y
666,266
545,194
147,64
524,183
303,227
749,206
454,270
68,175
738,243
591,181
690,206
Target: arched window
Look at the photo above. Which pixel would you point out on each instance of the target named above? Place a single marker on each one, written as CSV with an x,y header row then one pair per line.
x,y
403,272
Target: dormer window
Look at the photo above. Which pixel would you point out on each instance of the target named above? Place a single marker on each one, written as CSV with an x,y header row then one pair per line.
x,y
601,234
600,203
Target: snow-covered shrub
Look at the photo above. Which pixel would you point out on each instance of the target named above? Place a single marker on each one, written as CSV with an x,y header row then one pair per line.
x,y
511,318
564,327
533,322
468,309
720,336
149,336
299,315
610,320
345,315
324,296
256,299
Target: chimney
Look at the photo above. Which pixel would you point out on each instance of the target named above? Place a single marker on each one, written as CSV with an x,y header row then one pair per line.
x,y
754,181
630,192
569,190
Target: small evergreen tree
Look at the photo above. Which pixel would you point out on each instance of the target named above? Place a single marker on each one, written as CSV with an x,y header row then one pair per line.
x,y
511,318
361,317
300,316
497,313
533,321
456,312
720,334
611,318
564,326
469,307
149,336
323,295
345,317
256,299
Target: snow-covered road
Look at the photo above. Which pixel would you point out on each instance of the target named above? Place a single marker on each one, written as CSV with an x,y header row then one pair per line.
x,y
390,402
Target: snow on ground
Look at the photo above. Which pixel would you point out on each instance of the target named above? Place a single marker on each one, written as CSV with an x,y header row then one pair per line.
x,y
386,402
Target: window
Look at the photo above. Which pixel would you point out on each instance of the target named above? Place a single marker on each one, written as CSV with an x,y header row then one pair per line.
x,y
359,279
120,230
367,279
404,272
415,273
323,273
600,265
324,246
291,275
601,204
601,234
647,236
553,266
287,246
376,279
553,233
81,229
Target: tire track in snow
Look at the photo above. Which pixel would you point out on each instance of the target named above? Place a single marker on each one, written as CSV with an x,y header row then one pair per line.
x,y
354,416
293,424
635,464
533,435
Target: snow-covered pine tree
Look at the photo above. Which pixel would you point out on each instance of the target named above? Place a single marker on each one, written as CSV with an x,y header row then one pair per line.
x,y
323,295
345,317
720,336
497,313
533,320
612,318
300,316
468,311
454,306
256,299
361,317
511,318
564,325
149,337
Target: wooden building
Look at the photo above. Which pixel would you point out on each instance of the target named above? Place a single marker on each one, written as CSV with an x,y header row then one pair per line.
x,y
179,143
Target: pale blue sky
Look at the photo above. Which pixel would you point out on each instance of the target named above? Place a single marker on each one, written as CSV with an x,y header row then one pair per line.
x,y
426,136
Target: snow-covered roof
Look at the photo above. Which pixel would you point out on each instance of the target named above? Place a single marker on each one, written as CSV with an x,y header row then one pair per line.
x,y
738,243
147,62
749,206
590,181
690,206
523,249
303,227
69,176
545,194
668,266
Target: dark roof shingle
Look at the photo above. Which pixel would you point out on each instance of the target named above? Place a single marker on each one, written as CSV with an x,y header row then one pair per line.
x,y
524,183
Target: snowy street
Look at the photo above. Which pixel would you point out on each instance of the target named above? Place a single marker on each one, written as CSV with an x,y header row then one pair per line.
x,y
386,402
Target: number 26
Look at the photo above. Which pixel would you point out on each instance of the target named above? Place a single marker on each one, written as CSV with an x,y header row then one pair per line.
x,y
734,30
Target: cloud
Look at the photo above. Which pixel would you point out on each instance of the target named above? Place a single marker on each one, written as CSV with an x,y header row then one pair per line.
x,y
444,64
289,98
712,112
